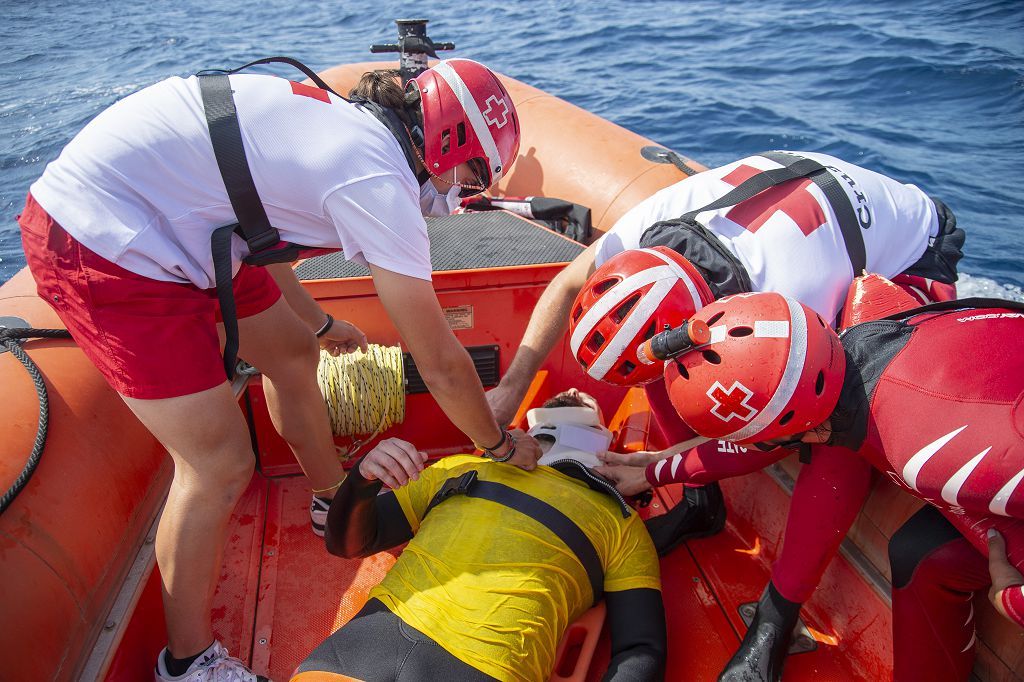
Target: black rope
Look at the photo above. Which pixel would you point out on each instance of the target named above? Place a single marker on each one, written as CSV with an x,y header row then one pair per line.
x,y
9,339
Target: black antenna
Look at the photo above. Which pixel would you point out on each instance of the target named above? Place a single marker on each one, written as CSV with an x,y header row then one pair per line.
x,y
413,47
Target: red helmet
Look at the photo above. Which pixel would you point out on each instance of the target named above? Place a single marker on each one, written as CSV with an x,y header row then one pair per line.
x,y
467,114
773,368
629,299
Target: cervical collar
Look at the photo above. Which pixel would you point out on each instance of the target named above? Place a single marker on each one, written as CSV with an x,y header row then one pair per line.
x,y
577,432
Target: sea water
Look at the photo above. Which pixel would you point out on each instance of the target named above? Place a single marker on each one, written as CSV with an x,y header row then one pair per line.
x,y
931,93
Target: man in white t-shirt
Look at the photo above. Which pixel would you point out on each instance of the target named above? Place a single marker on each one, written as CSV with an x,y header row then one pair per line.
x,y
786,239
117,233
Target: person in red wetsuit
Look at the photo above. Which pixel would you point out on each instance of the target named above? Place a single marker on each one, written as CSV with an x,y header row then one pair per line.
x,y
932,397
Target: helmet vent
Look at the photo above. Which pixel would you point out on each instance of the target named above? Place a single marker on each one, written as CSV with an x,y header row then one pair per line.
x,y
786,418
446,141
741,331
595,341
577,313
460,134
626,368
716,317
620,313
819,383
682,369
605,284
650,331
820,321
712,357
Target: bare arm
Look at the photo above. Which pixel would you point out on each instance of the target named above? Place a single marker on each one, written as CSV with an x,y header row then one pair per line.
x,y
342,337
298,298
546,328
443,363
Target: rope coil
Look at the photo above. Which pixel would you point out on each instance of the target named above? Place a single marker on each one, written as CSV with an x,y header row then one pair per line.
x,y
364,392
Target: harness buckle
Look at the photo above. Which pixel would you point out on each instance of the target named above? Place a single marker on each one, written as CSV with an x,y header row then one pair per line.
x,y
456,486
261,241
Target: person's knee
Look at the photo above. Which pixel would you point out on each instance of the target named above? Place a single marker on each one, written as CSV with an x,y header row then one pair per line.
x,y
221,473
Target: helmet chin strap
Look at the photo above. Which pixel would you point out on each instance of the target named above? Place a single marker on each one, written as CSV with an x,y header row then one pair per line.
x,y
450,183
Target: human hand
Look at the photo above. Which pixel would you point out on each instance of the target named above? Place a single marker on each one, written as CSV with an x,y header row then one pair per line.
x,y
343,337
629,459
504,402
1003,573
394,462
626,479
527,450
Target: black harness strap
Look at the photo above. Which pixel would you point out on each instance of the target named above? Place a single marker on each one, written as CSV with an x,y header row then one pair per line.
x,y
558,523
849,225
226,136
253,224
795,167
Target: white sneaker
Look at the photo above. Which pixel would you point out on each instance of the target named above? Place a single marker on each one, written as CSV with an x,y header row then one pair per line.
x,y
213,665
318,514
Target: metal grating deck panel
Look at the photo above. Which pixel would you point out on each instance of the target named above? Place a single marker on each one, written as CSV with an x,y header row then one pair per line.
x,y
467,241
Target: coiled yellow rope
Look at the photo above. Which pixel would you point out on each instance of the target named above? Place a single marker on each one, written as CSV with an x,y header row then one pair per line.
x,y
364,392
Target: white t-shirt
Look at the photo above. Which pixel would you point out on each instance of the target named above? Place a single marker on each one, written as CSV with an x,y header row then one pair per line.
x,y
794,245
139,185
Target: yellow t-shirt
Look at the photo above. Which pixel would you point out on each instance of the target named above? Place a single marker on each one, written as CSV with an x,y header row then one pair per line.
x,y
500,601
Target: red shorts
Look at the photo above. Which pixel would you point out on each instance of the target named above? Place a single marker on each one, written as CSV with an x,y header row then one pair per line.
x,y
150,339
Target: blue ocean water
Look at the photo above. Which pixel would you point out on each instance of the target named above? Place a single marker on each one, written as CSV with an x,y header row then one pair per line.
x,y
927,92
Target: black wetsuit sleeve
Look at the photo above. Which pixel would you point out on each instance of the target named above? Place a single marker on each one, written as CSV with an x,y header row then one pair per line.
x,y
636,619
361,522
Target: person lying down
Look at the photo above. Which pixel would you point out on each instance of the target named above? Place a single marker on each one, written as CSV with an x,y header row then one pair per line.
x,y
500,561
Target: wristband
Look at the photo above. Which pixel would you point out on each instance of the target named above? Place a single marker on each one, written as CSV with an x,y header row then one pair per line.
x,y
501,441
327,325
509,454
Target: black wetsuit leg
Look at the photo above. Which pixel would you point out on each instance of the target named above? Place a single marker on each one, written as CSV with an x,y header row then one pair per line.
x,y
377,646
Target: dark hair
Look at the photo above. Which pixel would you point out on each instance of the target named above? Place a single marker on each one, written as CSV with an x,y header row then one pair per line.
x,y
565,399
381,87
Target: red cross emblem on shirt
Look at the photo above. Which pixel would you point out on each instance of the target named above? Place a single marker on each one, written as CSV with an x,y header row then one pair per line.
x,y
732,402
791,198
490,113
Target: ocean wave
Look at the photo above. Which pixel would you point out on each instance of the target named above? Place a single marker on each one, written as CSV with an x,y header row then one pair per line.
x,y
930,92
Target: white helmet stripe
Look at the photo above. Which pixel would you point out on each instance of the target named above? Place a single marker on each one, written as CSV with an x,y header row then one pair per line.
x,y
999,502
790,377
612,298
639,317
682,274
483,133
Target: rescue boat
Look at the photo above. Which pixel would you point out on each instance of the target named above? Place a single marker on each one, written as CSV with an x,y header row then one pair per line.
x,y
79,588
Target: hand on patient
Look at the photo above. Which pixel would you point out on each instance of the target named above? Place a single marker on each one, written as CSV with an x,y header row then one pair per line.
x,y
628,480
527,450
394,461
631,459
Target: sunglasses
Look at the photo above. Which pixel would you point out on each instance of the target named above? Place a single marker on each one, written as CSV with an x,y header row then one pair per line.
x,y
479,183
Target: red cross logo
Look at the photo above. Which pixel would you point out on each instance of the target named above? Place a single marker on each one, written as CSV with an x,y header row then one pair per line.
x,y
731,403
791,198
490,113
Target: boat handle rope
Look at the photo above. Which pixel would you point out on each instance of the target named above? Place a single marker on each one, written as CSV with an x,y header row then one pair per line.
x,y
9,337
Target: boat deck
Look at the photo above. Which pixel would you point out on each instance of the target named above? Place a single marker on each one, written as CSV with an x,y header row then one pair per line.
x,y
280,593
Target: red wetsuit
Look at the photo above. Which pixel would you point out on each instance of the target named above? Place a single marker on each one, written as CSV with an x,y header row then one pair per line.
x,y
935,401
969,372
